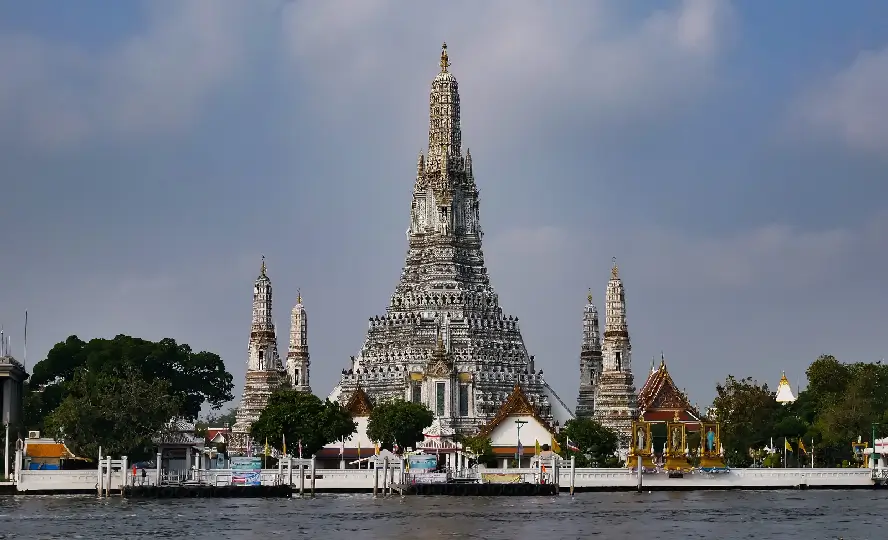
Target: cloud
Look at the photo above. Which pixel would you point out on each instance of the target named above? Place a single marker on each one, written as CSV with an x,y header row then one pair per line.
x,y
852,105
155,81
583,59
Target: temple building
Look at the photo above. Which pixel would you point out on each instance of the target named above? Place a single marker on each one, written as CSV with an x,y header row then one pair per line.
x,y
784,391
516,429
590,360
265,372
297,354
660,400
444,340
615,399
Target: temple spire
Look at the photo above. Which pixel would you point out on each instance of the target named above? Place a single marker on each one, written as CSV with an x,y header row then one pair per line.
x,y
590,359
445,135
297,353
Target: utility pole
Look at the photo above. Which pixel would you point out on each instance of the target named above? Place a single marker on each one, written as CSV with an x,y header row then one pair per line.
x,y
520,424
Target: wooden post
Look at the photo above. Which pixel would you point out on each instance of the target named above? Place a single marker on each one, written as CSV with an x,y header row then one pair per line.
x,y
573,473
290,471
392,480
557,477
301,479
108,479
385,474
100,476
638,464
280,474
312,475
375,480
157,471
403,472
124,472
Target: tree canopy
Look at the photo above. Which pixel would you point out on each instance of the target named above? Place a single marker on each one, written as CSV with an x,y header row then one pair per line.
x,y
119,411
597,444
398,421
301,416
841,403
194,378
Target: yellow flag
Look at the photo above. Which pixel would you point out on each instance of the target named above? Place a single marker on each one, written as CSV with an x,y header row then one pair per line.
x,y
802,447
376,448
284,444
555,446
536,447
786,445
266,446
359,449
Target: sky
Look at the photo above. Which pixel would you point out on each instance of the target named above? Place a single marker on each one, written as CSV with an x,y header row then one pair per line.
x,y
731,156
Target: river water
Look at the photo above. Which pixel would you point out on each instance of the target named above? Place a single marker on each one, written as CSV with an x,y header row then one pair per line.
x,y
717,515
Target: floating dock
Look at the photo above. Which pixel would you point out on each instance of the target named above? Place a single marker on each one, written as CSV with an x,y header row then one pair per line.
x,y
203,491
481,490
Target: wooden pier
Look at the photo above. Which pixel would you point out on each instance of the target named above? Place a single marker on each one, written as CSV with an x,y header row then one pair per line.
x,y
202,491
482,490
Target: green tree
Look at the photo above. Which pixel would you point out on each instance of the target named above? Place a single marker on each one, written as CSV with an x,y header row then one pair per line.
x,y
597,444
399,422
300,416
748,414
119,411
194,378
481,447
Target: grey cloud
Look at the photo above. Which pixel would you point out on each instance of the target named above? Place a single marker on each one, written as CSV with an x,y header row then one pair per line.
x,y
852,105
153,82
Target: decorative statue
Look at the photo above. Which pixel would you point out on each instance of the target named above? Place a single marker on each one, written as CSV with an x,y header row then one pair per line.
x,y
676,439
710,440
640,439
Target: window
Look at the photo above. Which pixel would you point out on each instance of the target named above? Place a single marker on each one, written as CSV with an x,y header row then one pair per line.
x,y
440,399
619,361
296,379
463,400
416,393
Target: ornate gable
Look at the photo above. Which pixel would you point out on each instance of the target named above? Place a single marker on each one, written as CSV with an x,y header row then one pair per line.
x,y
516,405
441,364
359,404
660,392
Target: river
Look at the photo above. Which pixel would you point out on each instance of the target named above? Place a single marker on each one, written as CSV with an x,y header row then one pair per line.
x,y
717,515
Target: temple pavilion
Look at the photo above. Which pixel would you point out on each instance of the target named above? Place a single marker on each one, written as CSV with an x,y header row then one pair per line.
x,y
660,401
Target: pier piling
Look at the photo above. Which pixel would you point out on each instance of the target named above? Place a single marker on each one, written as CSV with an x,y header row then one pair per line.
x,y
301,479
639,465
312,476
385,476
375,481
573,473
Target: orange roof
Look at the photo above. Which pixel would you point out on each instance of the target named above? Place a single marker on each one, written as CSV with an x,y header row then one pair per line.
x,y
516,405
659,392
48,450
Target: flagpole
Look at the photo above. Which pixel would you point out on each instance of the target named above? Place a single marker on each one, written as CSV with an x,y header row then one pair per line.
x,y
812,452
785,443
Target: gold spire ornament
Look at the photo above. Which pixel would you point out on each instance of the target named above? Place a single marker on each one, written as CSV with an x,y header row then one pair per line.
x,y
298,295
589,297
444,62
615,271
262,270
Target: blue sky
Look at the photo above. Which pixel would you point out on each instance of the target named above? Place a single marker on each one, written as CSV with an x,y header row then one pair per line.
x,y
732,156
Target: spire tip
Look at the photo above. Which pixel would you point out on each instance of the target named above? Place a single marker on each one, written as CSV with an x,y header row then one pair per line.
x,y
444,62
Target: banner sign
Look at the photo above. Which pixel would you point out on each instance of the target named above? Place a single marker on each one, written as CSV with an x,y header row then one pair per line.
x,y
245,471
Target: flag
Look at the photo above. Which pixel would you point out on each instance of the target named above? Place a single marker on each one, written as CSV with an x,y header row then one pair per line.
x,y
555,446
266,446
572,445
341,448
283,444
359,449
395,448
376,448
300,448
536,448
520,451
787,445
802,448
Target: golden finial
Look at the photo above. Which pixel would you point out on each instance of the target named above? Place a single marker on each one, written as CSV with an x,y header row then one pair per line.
x,y
298,296
589,296
615,271
444,62
262,271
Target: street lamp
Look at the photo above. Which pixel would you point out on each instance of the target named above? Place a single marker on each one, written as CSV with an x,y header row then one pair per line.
x,y
520,424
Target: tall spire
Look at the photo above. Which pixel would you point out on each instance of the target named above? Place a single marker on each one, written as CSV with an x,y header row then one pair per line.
x,y
297,353
590,359
262,320
615,309
445,135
